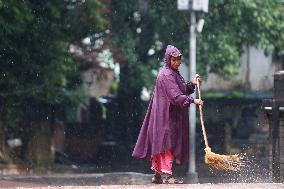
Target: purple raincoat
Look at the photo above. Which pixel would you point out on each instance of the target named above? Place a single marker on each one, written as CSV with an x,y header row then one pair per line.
x,y
166,124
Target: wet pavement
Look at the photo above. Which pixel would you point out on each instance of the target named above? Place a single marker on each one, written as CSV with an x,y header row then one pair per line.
x,y
124,180
164,186
118,178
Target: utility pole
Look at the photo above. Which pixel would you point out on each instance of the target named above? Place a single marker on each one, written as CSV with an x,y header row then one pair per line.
x,y
193,6
192,174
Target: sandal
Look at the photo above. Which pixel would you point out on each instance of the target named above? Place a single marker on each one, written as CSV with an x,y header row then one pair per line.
x,y
172,180
157,179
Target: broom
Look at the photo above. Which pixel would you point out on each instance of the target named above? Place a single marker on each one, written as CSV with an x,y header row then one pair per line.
x,y
225,162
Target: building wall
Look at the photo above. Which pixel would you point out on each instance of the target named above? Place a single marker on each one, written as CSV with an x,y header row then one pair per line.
x,y
256,73
98,81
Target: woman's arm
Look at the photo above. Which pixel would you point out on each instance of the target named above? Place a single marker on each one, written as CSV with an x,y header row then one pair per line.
x,y
173,92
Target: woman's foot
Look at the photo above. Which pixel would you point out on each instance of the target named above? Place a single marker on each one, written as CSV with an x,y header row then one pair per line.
x,y
172,180
157,179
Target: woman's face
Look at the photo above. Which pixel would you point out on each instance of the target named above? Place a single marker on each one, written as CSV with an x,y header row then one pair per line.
x,y
175,62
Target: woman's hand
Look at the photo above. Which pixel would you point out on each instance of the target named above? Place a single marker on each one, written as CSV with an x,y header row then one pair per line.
x,y
198,102
197,78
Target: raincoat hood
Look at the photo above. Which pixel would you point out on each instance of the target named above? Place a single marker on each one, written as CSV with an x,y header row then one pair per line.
x,y
171,51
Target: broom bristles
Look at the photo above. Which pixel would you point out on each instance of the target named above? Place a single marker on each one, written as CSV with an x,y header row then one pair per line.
x,y
225,162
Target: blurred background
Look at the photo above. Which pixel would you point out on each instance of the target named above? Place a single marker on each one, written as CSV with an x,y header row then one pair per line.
x,y
76,77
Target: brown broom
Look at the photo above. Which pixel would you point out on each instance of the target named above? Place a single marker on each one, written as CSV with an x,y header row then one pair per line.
x,y
225,162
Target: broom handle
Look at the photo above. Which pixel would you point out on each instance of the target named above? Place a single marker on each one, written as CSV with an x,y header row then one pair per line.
x,y
201,116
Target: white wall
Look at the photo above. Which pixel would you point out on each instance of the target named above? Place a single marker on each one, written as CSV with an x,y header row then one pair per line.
x,y
256,73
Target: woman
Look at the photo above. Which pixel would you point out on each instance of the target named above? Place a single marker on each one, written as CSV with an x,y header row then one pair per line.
x,y
164,135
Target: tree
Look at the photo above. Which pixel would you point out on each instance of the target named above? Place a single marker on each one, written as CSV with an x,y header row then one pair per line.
x,y
37,70
124,38
229,25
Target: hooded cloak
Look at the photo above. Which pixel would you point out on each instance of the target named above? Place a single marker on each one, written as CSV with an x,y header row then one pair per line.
x,y
166,123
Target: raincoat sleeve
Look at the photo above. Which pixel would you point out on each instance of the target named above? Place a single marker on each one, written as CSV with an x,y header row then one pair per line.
x,y
190,87
173,92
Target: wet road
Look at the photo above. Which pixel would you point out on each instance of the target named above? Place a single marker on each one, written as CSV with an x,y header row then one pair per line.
x,y
162,186
117,180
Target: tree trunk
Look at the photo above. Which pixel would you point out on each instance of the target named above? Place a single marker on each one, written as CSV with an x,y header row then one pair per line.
x,y
39,145
4,156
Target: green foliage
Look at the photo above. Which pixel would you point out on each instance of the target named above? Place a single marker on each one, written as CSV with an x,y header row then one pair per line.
x,y
124,37
36,65
231,25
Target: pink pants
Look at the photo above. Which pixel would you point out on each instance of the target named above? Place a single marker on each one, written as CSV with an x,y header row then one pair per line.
x,y
162,163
